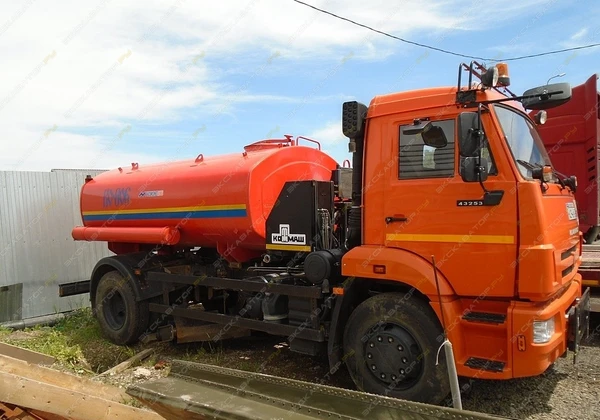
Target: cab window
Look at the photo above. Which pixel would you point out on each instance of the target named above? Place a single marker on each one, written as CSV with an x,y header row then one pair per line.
x,y
417,160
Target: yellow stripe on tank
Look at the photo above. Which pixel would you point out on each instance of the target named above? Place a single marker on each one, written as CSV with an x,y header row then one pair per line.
x,y
305,248
167,209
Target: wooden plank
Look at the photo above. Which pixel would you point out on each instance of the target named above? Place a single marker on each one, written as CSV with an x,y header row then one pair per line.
x,y
26,355
10,412
186,332
76,405
60,379
45,415
124,365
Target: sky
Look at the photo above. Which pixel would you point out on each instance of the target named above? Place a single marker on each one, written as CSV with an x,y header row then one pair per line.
x,y
99,84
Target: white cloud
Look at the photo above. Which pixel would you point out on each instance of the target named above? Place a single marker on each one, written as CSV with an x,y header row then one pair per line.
x,y
330,134
58,149
579,34
82,65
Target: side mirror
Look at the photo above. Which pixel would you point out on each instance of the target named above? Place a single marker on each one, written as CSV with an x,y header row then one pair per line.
x,y
468,136
432,135
547,96
435,137
470,171
418,127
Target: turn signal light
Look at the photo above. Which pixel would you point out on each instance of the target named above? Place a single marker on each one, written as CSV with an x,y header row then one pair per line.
x,y
544,174
547,173
338,291
379,269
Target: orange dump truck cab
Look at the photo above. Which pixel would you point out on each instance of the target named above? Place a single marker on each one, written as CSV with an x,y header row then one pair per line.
x,y
451,223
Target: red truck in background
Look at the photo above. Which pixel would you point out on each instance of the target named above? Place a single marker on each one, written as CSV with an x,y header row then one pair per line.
x,y
570,135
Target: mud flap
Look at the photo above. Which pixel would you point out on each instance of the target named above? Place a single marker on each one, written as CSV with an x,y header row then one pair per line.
x,y
578,322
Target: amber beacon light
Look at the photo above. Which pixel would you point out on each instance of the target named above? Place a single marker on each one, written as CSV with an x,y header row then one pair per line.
x,y
503,77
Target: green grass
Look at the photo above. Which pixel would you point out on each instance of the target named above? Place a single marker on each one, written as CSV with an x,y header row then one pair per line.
x,y
4,332
75,341
47,341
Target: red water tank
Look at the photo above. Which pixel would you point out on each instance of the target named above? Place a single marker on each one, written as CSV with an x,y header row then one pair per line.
x,y
220,202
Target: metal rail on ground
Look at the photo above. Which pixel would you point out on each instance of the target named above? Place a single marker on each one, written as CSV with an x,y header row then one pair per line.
x,y
199,391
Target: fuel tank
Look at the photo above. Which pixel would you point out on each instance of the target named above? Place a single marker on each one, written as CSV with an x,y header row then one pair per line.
x,y
220,202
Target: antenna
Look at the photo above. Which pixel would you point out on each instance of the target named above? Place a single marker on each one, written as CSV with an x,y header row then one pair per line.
x,y
555,76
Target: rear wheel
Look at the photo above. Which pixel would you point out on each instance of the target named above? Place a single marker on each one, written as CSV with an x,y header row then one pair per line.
x,y
391,345
122,319
592,234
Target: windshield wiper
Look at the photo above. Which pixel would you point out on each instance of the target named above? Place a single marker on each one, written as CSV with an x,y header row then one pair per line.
x,y
564,182
528,165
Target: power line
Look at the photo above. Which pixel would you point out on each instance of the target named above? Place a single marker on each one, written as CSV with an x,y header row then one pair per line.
x,y
418,44
522,57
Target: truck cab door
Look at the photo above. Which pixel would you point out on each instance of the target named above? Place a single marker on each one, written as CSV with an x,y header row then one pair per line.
x,y
429,210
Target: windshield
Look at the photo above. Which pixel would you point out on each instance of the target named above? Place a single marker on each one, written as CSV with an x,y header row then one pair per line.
x,y
523,139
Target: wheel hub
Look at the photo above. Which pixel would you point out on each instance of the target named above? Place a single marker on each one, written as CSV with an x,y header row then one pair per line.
x,y
393,355
114,310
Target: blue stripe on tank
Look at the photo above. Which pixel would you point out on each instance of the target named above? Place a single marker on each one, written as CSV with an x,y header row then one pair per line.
x,y
206,214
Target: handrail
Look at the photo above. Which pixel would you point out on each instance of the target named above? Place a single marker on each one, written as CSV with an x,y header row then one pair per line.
x,y
307,139
270,143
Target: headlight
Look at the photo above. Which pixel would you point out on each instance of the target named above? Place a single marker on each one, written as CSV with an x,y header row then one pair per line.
x,y
543,331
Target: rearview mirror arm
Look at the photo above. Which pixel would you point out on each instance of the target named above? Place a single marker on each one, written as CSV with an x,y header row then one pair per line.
x,y
514,98
479,146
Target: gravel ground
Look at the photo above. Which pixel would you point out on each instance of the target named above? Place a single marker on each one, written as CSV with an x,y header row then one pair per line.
x,y
565,391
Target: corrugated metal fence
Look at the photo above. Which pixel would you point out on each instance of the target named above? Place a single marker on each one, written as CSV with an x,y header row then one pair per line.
x,y
37,212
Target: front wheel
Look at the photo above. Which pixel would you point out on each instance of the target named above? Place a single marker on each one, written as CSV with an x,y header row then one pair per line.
x,y
121,318
391,345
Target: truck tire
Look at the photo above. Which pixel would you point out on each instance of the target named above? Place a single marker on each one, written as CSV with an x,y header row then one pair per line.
x,y
121,318
591,235
390,345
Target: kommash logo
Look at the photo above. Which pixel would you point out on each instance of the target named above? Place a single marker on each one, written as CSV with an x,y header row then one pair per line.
x,y
157,193
285,237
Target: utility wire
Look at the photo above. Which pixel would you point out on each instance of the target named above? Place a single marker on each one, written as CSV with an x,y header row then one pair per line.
x,y
418,44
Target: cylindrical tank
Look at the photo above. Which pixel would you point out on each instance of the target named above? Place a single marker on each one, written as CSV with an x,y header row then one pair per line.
x,y
220,202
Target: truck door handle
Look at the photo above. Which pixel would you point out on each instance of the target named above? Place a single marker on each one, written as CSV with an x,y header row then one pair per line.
x,y
392,219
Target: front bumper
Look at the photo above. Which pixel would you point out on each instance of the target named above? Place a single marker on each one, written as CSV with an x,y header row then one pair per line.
x,y
570,311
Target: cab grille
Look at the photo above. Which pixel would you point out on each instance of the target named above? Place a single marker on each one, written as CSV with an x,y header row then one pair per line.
x,y
568,252
567,271
565,255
